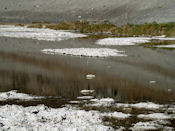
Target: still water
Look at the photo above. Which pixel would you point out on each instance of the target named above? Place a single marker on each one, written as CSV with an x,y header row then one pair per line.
x,y
144,75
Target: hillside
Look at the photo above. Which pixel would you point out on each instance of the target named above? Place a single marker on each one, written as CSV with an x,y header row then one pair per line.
x,y
116,11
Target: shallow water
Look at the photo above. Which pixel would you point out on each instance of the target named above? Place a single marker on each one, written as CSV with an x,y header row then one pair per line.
x,y
127,79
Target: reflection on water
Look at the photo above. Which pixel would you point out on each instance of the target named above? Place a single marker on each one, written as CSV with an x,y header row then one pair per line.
x,y
45,77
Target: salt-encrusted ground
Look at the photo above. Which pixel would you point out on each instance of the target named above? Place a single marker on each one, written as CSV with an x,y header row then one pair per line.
x,y
13,117
149,116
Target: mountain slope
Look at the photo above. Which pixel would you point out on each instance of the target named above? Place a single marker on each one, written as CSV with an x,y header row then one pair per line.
x,y
116,11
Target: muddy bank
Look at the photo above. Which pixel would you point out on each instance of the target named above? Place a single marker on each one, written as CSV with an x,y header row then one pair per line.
x,y
116,11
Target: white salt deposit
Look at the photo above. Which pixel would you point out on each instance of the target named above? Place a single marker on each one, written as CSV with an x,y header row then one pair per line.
x,y
89,52
101,102
85,97
171,109
110,101
148,105
93,100
74,102
169,90
155,116
90,76
142,126
35,33
84,92
144,105
166,46
130,40
15,95
152,82
117,115
163,38
152,125
123,41
14,117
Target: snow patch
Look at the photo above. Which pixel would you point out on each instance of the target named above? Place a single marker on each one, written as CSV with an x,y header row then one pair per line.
x,y
35,33
15,95
89,52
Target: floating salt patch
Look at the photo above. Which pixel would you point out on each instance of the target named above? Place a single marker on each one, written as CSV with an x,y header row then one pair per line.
x,y
102,102
148,105
84,92
121,129
106,100
145,105
152,82
163,38
85,97
117,115
15,95
169,90
142,126
154,116
157,37
79,16
94,100
90,76
74,102
123,41
171,109
36,33
88,52
166,46
131,40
